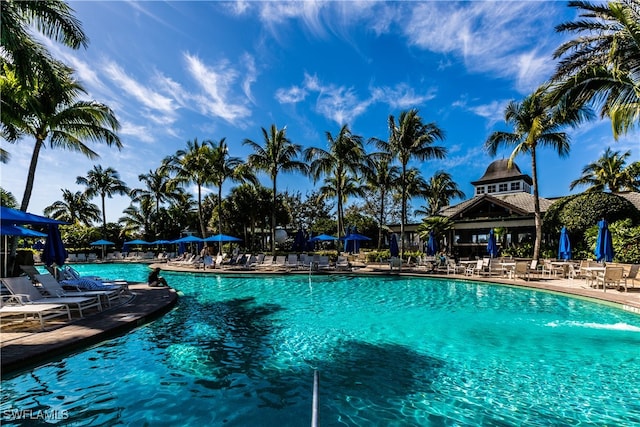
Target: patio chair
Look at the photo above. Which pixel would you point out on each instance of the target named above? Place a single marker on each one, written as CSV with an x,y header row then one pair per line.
x,y
323,262
281,261
342,263
29,294
55,289
267,262
12,305
631,275
612,276
292,261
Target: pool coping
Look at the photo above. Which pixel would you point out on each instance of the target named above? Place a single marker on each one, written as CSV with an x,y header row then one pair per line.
x,y
22,351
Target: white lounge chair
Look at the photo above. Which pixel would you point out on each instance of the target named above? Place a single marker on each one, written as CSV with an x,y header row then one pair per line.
x,y
55,289
29,294
342,263
292,261
12,306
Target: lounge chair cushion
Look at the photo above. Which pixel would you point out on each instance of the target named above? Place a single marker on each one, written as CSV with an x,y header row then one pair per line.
x,y
87,284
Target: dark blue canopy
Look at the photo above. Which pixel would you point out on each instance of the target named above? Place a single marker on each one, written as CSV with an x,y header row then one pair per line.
x,y
492,245
432,244
393,246
54,251
14,216
14,230
604,244
221,238
564,248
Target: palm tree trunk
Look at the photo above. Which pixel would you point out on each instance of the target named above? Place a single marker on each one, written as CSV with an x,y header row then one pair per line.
x,y
273,219
381,219
28,189
202,227
403,209
104,218
536,206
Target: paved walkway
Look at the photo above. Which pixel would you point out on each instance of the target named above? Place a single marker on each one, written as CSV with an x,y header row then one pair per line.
x,y
24,347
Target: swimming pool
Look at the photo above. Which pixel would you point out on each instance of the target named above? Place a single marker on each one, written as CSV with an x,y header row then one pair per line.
x,y
390,351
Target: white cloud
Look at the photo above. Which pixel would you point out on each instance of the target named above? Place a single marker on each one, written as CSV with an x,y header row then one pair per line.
x,y
493,112
401,96
491,37
292,95
157,106
216,82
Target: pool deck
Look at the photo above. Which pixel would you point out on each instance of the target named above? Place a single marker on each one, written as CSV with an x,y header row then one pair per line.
x,y
27,346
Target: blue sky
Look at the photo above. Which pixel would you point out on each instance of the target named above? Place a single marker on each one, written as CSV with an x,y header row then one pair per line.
x,y
176,71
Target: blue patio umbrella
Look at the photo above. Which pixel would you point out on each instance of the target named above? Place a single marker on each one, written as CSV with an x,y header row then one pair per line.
x,y
492,245
15,230
322,238
355,237
54,251
14,216
222,238
432,244
604,244
161,242
102,243
299,241
393,246
188,239
137,242
564,248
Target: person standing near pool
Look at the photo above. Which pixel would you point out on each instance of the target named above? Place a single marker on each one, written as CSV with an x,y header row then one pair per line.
x,y
155,279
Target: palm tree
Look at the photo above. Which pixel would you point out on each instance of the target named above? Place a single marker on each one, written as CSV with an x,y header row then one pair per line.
x,y
381,177
535,124
225,167
410,138
137,218
53,18
278,154
609,171
341,163
67,123
438,192
602,64
193,166
105,183
73,208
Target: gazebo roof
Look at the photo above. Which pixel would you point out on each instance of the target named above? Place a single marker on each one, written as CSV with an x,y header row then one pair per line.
x,y
499,171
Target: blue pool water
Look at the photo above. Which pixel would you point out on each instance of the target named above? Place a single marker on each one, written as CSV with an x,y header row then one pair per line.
x,y
391,351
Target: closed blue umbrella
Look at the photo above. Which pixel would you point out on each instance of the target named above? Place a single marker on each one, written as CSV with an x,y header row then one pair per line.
x,y
432,244
564,248
604,244
393,246
299,241
54,251
348,244
492,245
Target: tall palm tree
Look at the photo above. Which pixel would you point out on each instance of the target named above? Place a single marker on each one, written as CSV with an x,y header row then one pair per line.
x,y
74,207
410,138
535,124
277,155
226,167
438,192
53,18
193,165
381,177
609,172
104,183
57,116
341,163
602,64
137,218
